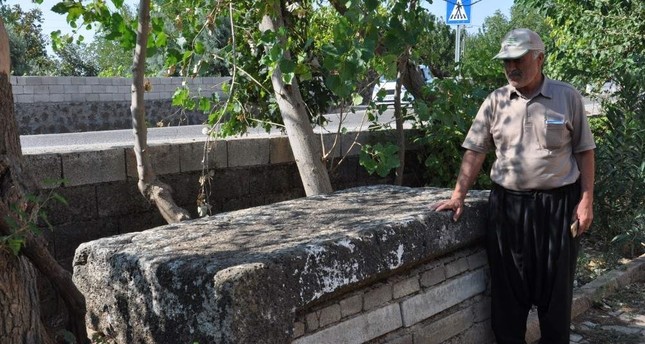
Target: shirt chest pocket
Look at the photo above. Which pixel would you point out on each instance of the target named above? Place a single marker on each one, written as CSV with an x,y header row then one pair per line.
x,y
555,131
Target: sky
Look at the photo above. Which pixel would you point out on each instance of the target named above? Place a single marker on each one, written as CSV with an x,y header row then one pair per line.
x,y
479,11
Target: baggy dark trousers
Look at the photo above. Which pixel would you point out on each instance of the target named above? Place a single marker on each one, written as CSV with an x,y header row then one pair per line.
x,y
532,257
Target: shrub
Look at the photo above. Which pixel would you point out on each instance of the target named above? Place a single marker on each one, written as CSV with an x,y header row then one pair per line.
x,y
620,168
442,127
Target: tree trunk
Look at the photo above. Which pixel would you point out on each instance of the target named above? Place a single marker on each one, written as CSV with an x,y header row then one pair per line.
x,y
400,133
19,303
152,188
306,149
20,318
20,311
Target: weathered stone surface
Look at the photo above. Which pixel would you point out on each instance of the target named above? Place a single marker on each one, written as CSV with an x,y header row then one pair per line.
x,y
239,277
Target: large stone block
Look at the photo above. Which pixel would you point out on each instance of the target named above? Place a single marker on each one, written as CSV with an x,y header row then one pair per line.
x,y
45,169
80,168
80,204
357,330
240,277
120,199
164,160
248,151
442,297
197,155
280,150
449,326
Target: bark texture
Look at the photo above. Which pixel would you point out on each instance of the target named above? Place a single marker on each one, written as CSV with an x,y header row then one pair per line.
x,y
20,314
19,303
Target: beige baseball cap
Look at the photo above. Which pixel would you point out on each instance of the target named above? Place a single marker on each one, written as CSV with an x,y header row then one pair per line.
x,y
518,42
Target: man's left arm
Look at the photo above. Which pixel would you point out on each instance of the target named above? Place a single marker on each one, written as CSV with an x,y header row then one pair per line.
x,y
584,209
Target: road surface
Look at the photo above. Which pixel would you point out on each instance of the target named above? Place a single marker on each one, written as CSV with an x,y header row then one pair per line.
x,y
96,140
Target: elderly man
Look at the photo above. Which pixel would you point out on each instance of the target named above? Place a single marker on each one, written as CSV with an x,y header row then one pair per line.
x,y
542,195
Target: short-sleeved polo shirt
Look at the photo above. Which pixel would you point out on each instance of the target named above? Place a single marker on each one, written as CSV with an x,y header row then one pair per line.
x,y
534,139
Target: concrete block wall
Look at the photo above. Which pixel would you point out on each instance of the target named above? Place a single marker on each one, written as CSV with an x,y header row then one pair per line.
x,y
46,89
444,301
100,187
48,105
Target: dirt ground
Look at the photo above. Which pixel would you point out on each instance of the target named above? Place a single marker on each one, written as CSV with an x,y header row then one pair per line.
x,y
618,319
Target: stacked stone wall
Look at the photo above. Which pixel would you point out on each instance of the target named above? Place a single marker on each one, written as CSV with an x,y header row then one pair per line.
x,y
50,105
442,301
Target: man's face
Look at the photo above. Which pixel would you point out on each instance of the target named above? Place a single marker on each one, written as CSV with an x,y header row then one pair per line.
x,y
524,73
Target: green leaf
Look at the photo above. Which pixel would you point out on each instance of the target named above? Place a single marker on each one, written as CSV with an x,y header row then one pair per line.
x,y
275,53
379,158
199,48
187,56
118,3
205,105
423,111
371,5
62,7
180,97
173,57
357,99
128,39
157,24
15,244
288,68
161,40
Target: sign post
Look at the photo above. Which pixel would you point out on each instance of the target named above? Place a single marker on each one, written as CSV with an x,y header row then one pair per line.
x,y
458,12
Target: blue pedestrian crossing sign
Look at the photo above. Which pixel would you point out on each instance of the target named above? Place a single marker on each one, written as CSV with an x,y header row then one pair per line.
x,y
458,12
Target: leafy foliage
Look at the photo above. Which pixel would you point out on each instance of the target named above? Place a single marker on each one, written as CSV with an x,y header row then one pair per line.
x,y
436,48
331,50
72,58
110,58
75,60
593,40
23,221
27,43
379,158
620,185
442,127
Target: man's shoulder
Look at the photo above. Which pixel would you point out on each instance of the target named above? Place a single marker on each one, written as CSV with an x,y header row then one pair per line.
x,y
501,93
559,86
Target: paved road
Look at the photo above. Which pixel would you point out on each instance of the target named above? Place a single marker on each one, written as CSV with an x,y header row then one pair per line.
x,y
52,143
106,139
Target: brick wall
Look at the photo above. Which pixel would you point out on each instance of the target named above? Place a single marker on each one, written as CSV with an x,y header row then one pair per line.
x,y
45,89
443,301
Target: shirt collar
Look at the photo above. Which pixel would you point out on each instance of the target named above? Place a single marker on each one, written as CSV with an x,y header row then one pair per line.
x,y
545,90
